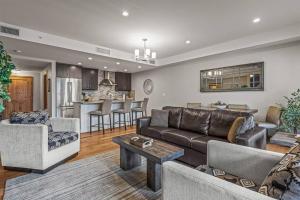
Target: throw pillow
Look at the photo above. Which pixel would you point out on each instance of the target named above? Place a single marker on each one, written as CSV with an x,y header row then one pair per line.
x,y
36,117
248,124
249,184
159,118
283,181
234,129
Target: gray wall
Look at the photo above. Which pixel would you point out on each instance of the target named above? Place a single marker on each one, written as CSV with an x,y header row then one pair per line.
x,y
178,84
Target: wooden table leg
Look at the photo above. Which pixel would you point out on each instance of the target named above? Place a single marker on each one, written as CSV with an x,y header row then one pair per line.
x,y
153,175
128,159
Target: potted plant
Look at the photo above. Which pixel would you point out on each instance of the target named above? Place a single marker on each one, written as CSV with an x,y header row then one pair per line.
x,y
290,117
6,67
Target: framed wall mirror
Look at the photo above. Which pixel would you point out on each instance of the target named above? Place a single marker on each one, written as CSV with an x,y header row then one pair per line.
x,y
246,77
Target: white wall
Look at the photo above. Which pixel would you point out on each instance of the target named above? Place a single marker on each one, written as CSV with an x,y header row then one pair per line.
x,y
37,95
178,84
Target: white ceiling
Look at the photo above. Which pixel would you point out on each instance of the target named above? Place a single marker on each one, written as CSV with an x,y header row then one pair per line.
x,y
35,50
29,65
167,23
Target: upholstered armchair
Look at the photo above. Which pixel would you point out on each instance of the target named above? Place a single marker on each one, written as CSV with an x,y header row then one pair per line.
x,y
32,147
182,182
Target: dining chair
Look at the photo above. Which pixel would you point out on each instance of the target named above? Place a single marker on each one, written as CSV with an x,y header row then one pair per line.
x,y
123,111
105,110
272,120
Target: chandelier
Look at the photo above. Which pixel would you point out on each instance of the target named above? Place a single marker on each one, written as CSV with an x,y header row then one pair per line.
x,y
148,56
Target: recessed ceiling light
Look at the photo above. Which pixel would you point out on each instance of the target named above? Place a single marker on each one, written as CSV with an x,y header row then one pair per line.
x,y
139,66
79,63
125,13
90,58
105,67
117,63
188,42
125,70
256,20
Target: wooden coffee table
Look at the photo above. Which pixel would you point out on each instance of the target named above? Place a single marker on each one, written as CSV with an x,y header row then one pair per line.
x,y
159,152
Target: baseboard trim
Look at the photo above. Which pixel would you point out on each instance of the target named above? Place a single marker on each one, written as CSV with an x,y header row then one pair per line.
x,y
38,171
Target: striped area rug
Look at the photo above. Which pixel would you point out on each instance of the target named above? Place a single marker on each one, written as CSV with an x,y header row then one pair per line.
x,y
97,177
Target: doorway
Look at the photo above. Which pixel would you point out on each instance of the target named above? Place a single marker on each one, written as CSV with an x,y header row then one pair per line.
x,y
21,93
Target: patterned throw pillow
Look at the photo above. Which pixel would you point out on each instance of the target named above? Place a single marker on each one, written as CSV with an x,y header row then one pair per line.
x,y
248,124
37,117
283,181
228,177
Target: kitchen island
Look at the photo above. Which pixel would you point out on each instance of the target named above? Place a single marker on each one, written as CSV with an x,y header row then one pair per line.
x,y
83,108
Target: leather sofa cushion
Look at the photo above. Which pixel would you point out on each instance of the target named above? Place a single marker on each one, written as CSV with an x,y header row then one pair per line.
x,y
221,121
200,143
154,131
174,116
195,120
179,137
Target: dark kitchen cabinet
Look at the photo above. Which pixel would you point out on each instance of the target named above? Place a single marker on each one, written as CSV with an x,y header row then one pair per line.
x,y
123,81
68,71
89,79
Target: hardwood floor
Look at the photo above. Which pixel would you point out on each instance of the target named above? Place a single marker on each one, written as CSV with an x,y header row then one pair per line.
x,y
95,144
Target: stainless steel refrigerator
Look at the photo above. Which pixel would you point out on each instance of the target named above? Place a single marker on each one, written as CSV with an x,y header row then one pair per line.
x,y
68,91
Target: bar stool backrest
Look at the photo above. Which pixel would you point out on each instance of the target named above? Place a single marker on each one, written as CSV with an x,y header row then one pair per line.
x,y
106,107
144,104
127,105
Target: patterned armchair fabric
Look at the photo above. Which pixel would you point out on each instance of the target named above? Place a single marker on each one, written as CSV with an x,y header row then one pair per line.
x,y
58,139
243,182
37,117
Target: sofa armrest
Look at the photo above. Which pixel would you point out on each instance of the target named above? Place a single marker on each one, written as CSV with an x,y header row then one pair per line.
x,y
66,124
256,137
23,145
242,161
141,123
182,182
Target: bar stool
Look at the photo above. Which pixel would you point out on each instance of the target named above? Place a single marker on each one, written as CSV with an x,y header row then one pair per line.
x,y
142,109
105,110
125,110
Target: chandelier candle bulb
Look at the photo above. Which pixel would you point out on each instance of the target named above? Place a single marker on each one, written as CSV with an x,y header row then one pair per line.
x,y
137,53
153,55
147,53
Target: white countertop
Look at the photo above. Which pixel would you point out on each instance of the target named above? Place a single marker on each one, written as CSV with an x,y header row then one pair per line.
x,y
101,101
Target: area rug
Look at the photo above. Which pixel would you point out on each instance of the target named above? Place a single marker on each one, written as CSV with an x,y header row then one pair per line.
x,y
97,177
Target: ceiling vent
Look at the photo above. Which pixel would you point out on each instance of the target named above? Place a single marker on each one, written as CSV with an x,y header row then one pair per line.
x,y
103,50
10,31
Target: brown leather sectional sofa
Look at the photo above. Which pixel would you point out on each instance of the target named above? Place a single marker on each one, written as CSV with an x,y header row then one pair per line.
x,y
191,129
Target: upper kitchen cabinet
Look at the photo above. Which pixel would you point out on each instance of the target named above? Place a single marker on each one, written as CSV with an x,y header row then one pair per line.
x,y
68,71
123,81
89,79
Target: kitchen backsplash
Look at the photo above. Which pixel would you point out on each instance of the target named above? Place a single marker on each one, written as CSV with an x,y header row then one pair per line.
x,y
105,92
